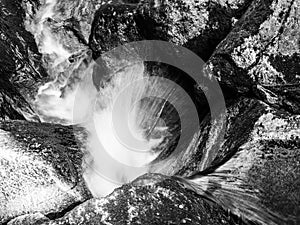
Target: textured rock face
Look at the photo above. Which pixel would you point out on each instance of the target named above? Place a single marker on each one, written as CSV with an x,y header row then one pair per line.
x,y
78,16
20,59
13,105
262,54
198,25
41,160
29,219
260,150
74,17
150,199
20,70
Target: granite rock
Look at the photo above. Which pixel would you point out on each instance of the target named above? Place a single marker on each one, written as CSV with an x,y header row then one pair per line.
x,y
150,199
260,55
40,169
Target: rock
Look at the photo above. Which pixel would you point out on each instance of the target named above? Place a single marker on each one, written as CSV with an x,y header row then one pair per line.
x,y
29,219
269,162
40,169
150,199
73,16
61,30
21,69
260,153
262,55
77,16
20,59
197,25
13,105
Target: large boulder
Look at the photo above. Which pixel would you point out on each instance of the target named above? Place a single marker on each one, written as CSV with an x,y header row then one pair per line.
x,y
261,55
197,25
40,169
150,199
29,219
260,152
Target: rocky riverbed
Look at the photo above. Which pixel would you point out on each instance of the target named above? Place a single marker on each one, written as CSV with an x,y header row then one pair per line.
x,y
251,47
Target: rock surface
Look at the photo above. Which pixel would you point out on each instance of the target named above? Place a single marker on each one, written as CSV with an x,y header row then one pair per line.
x,y
253,173
29,219
266,157
41,160
21,71
150,199
13,105
20,59
262,55
197,25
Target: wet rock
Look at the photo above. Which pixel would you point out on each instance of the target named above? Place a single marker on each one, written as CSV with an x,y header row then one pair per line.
x,y
197,25
150,199
261,54
60,29
13,105
269,162
20,59
40,169
21,69
260,152
78,16
73,16
29,219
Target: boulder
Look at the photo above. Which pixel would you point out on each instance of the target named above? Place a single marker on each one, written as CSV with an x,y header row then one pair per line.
x,y
197,25
150,199
13,105
40,169
260,153
29,219
261,55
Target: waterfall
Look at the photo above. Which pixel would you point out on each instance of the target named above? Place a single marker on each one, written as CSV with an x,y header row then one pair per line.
x,y
71,83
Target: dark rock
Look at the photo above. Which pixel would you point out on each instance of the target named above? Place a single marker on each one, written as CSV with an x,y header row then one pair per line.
x,y
197,25
20,59
13,105
73,16
260,152
21,69
261,54
29,219
150,199
41,169
78,16
240,118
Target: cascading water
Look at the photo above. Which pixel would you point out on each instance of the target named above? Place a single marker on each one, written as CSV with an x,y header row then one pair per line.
x,y
55,99
55,103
